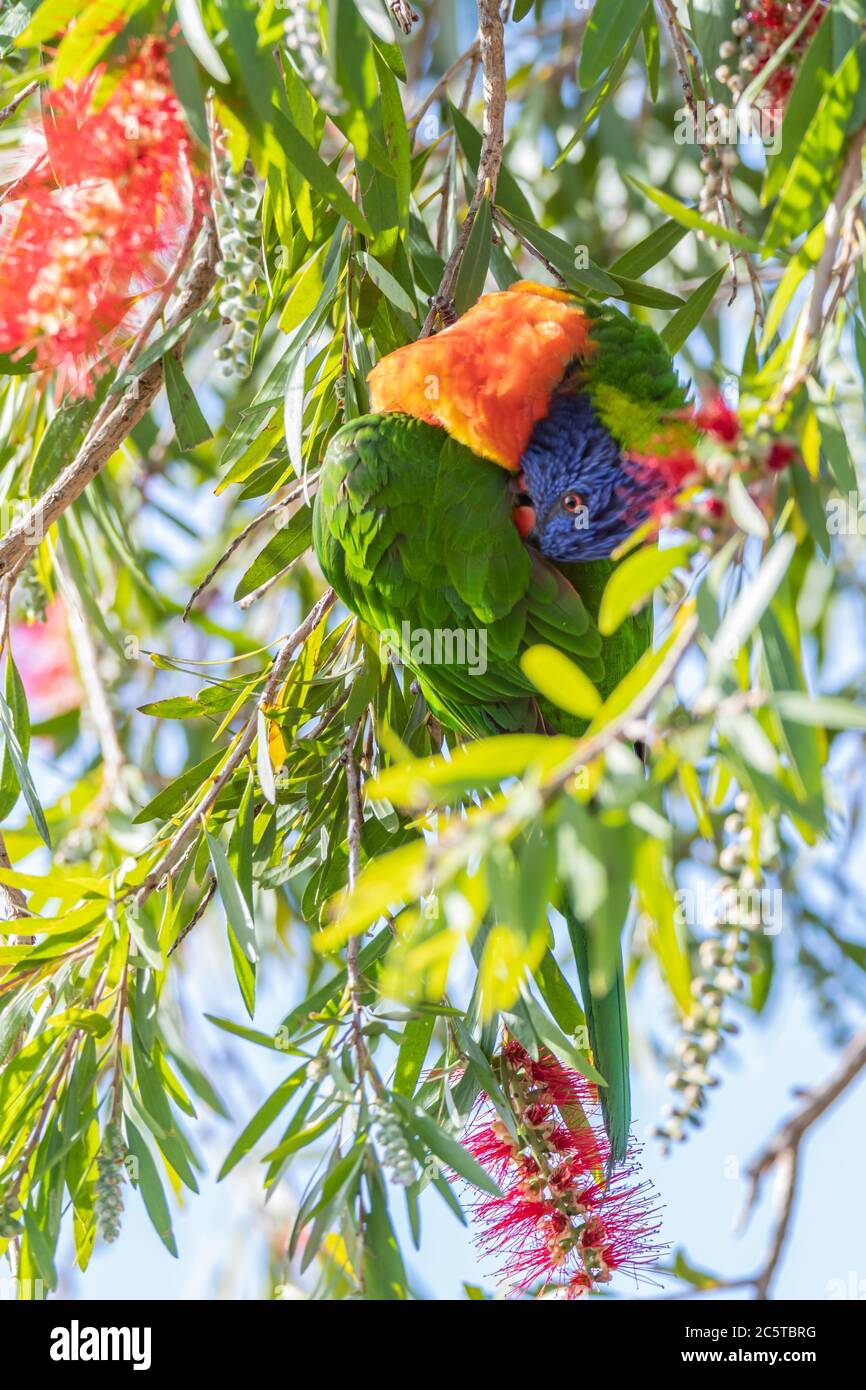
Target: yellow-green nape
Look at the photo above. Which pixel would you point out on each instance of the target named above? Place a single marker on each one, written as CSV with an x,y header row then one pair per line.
x,y
635,424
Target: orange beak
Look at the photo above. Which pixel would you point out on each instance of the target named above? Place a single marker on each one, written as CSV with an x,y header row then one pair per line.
x,y
522,511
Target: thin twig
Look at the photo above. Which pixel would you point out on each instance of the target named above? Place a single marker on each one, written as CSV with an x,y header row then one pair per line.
x,y
300,491
812,321
249,599
354,979
782,1154
502,220
492,49
473,51
8,111
196,916
165,292
445,188
189,828
726,203
117,1082
816,1103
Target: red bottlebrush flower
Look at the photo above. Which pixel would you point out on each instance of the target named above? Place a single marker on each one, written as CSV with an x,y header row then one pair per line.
x,y
563,1220
97,219
780,455
769,23
46,664
716,418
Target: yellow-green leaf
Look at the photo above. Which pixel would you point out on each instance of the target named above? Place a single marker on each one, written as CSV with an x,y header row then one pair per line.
x,y
635,580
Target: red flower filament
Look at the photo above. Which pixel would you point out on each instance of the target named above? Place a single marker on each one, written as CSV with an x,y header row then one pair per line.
x,y
562,1220
91,227
770,23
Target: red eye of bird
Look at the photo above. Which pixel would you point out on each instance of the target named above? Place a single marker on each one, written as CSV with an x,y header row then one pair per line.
x,y
572,502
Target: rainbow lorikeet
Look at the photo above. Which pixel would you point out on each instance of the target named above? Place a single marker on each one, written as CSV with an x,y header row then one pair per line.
x,y
507,458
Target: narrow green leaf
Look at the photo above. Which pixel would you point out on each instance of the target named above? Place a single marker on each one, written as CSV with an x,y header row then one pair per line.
x,y
263,1119
692,220
745,612
149,1185
650,251
40,1248
305,159
190,425
22,772
819,711
552,1036
17,700
635,580
564,259
681,325
813,175
560,680
390,287
289,542
744,510
610,25
413,1049
172,797
263,760
476,259
199,40
240,923
448,1149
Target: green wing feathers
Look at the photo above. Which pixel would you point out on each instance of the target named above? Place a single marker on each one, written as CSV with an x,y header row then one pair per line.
x,y
415,534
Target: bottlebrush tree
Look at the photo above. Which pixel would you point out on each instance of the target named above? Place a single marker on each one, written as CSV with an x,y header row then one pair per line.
x,y
276,911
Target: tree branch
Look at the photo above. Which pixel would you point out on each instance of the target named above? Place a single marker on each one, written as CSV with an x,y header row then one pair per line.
x,y
491,40
812,321
442,83
782,1154
355,822
9,110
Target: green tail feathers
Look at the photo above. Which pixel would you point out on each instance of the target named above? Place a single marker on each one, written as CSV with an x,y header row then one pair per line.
x,y
607,1024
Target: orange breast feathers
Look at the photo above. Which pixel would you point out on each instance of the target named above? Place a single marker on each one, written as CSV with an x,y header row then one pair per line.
x,y
488,378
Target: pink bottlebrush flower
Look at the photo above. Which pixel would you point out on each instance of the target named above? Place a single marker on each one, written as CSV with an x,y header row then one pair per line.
x,y
96,219
46,664
563,1219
